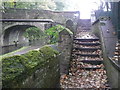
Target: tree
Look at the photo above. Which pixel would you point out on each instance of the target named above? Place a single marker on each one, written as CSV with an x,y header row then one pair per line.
x,y
33,33
59,5
42,4
107,6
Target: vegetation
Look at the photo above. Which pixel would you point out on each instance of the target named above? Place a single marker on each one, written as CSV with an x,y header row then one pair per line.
x,y
48,53
11,68
53,33
12,64
43,4
17,68
33,33
34,57
59,5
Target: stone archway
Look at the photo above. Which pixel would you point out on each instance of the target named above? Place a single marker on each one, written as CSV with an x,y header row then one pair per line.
x,y
14,33
13,38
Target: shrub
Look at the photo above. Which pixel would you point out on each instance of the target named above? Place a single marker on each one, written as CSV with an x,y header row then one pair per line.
x,y
53,33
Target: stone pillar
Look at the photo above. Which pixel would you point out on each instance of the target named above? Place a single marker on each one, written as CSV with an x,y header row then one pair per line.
x,y
69,25
65,46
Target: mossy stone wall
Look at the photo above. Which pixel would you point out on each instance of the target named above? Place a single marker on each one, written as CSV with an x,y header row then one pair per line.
x,y
35,69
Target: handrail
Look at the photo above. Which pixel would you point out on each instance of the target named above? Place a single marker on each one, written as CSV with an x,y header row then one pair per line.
x,y
114,64
95,21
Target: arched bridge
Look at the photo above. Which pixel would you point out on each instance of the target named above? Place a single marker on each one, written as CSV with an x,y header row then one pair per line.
x,y
16,21
12,29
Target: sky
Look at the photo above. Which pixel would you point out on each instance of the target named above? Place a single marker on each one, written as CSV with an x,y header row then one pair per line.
x,y
84,6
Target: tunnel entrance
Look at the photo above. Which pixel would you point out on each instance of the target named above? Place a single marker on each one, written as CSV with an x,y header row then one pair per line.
x,y
19,36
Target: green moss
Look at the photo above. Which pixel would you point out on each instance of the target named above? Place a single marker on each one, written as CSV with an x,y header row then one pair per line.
x,y
34,58
17,68
48,52
12,66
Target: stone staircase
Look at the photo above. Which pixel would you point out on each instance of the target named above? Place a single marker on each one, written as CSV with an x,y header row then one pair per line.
x,y
86,65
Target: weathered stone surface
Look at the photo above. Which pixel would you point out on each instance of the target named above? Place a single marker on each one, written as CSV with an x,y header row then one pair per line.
x,y
70,25
60,17
65,46
108,49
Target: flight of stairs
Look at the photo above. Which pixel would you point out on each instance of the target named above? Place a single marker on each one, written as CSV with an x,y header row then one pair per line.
x,y
86,65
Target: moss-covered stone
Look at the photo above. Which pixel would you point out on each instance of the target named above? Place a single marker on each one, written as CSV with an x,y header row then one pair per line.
x,y
48,52
17,69
34,58
11,68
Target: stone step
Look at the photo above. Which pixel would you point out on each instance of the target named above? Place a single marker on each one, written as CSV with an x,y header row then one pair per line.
x,y
93,55
87,44
94,62
87,49
84,40
90,68
92,42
